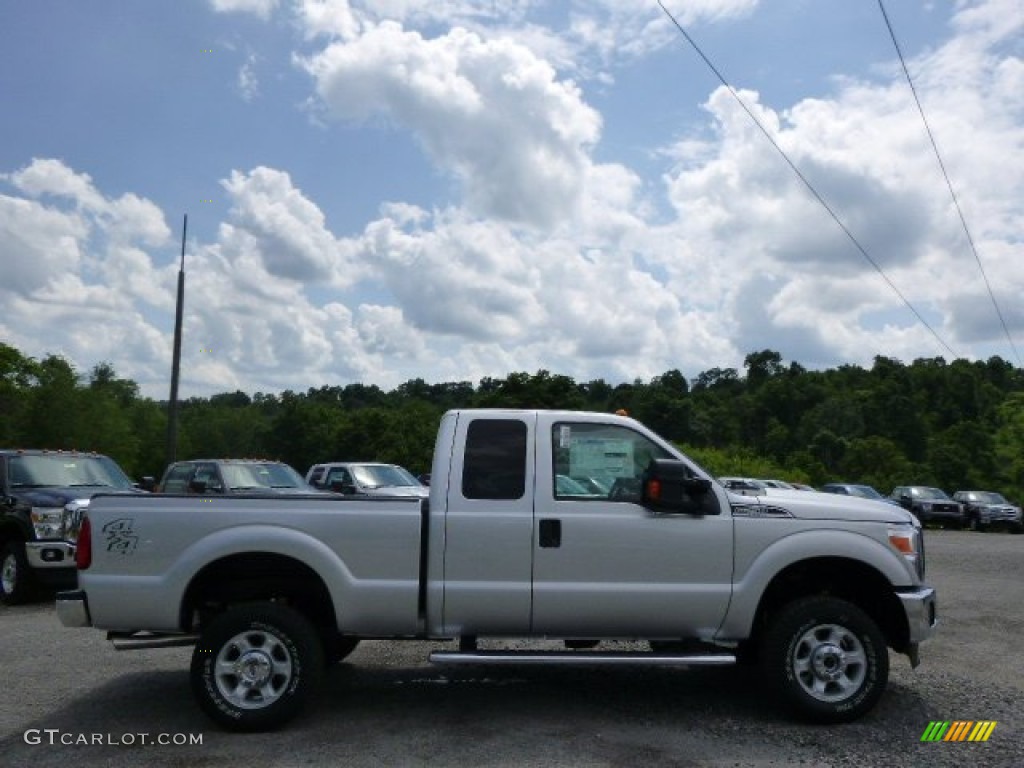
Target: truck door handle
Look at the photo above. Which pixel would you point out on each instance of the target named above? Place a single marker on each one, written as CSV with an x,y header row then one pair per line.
x,y
551,533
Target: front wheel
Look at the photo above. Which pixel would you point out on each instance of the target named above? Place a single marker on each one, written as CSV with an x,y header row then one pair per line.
x,y
255,665
15,574
826,658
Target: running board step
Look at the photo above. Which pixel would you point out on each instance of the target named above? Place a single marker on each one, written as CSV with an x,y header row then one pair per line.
x,y
125,641
602,658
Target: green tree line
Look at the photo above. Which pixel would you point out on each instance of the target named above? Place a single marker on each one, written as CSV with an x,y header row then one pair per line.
x,y
954,425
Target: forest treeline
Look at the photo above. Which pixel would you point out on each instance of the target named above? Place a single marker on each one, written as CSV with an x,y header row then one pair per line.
x,y
954,425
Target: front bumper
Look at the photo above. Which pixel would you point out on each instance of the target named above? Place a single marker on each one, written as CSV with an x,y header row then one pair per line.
x,y
920,607
73,609
50,554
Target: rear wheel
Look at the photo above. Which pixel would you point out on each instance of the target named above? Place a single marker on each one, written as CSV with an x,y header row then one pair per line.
x,y
16,580
826,658
255,665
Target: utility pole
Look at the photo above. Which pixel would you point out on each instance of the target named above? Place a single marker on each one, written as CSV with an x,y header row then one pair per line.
x,y
172,410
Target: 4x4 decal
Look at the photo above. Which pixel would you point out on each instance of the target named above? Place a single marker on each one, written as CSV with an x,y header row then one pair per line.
x,y
120,536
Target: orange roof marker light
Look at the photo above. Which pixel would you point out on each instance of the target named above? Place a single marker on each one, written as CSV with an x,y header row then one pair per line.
x,y
622,412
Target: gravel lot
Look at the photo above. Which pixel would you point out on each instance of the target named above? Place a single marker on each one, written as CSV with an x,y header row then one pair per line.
x,y
387,707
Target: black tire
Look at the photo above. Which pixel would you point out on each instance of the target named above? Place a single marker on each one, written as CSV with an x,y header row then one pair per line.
x,y
16,580
826,659
255,665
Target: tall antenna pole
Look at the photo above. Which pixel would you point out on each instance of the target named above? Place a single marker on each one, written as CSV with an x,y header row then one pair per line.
x,y
172,411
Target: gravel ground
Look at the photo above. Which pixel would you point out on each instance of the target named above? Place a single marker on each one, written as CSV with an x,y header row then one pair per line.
x,y
387,707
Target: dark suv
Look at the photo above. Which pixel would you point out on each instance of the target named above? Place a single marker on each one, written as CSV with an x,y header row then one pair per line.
x,y
232,476
931,505
986,509
41,495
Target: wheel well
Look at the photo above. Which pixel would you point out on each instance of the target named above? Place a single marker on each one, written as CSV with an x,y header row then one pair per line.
x,y
9,533
256,576
850,580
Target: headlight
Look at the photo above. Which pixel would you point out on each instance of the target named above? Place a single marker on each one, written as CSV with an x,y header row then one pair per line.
x,y
72,518
926,507
909,542
47,522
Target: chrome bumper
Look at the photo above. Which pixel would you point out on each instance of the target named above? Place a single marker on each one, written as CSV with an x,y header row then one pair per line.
x,y
920,608
73,609
50,554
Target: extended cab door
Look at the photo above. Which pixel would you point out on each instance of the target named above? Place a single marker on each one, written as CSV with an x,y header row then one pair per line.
x,y
488,527
604,565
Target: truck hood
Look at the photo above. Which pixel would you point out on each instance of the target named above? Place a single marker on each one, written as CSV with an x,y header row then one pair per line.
x,y
58,497
813,505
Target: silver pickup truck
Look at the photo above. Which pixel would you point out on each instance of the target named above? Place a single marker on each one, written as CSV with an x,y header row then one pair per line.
x,y
561,525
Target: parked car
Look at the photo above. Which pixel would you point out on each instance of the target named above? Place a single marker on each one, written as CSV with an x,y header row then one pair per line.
x,y
987,509
857,489
931,505
746,486
230,476
39,490
771,483
366,478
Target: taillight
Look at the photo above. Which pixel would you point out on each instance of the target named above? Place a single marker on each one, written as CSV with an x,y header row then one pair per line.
x,y
83,553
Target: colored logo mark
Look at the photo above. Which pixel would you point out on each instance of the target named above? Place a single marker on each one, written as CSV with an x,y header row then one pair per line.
x,y
958,730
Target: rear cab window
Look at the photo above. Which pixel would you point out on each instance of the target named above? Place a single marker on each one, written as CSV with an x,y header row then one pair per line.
x,y
494,465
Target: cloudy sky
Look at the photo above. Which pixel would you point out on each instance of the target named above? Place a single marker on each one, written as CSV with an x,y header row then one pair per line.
x,y
382,190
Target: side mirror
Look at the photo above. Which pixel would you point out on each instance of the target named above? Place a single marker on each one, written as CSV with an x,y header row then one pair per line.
x,y
669,486
197,486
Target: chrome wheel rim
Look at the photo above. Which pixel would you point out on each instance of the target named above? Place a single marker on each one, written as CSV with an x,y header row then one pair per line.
x,y
829,662
9,574
253,669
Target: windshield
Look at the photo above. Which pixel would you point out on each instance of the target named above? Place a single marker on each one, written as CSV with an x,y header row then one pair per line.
x,y
865,492
65,471
929,493
987,497
383,476
255,475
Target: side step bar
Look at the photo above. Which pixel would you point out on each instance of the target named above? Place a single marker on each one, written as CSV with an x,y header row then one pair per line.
x,y
136,641
602,658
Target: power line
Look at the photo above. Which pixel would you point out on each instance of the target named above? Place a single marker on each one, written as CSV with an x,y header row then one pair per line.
x,y
949,183
807,183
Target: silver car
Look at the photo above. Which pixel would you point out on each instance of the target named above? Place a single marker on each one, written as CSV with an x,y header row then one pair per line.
x,y
366,478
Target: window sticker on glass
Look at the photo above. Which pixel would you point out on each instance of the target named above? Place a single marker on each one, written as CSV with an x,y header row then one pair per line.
x,y
601,457
564,436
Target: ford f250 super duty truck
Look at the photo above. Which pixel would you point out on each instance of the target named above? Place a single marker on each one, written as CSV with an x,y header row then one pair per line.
x,y
39,490
813,587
